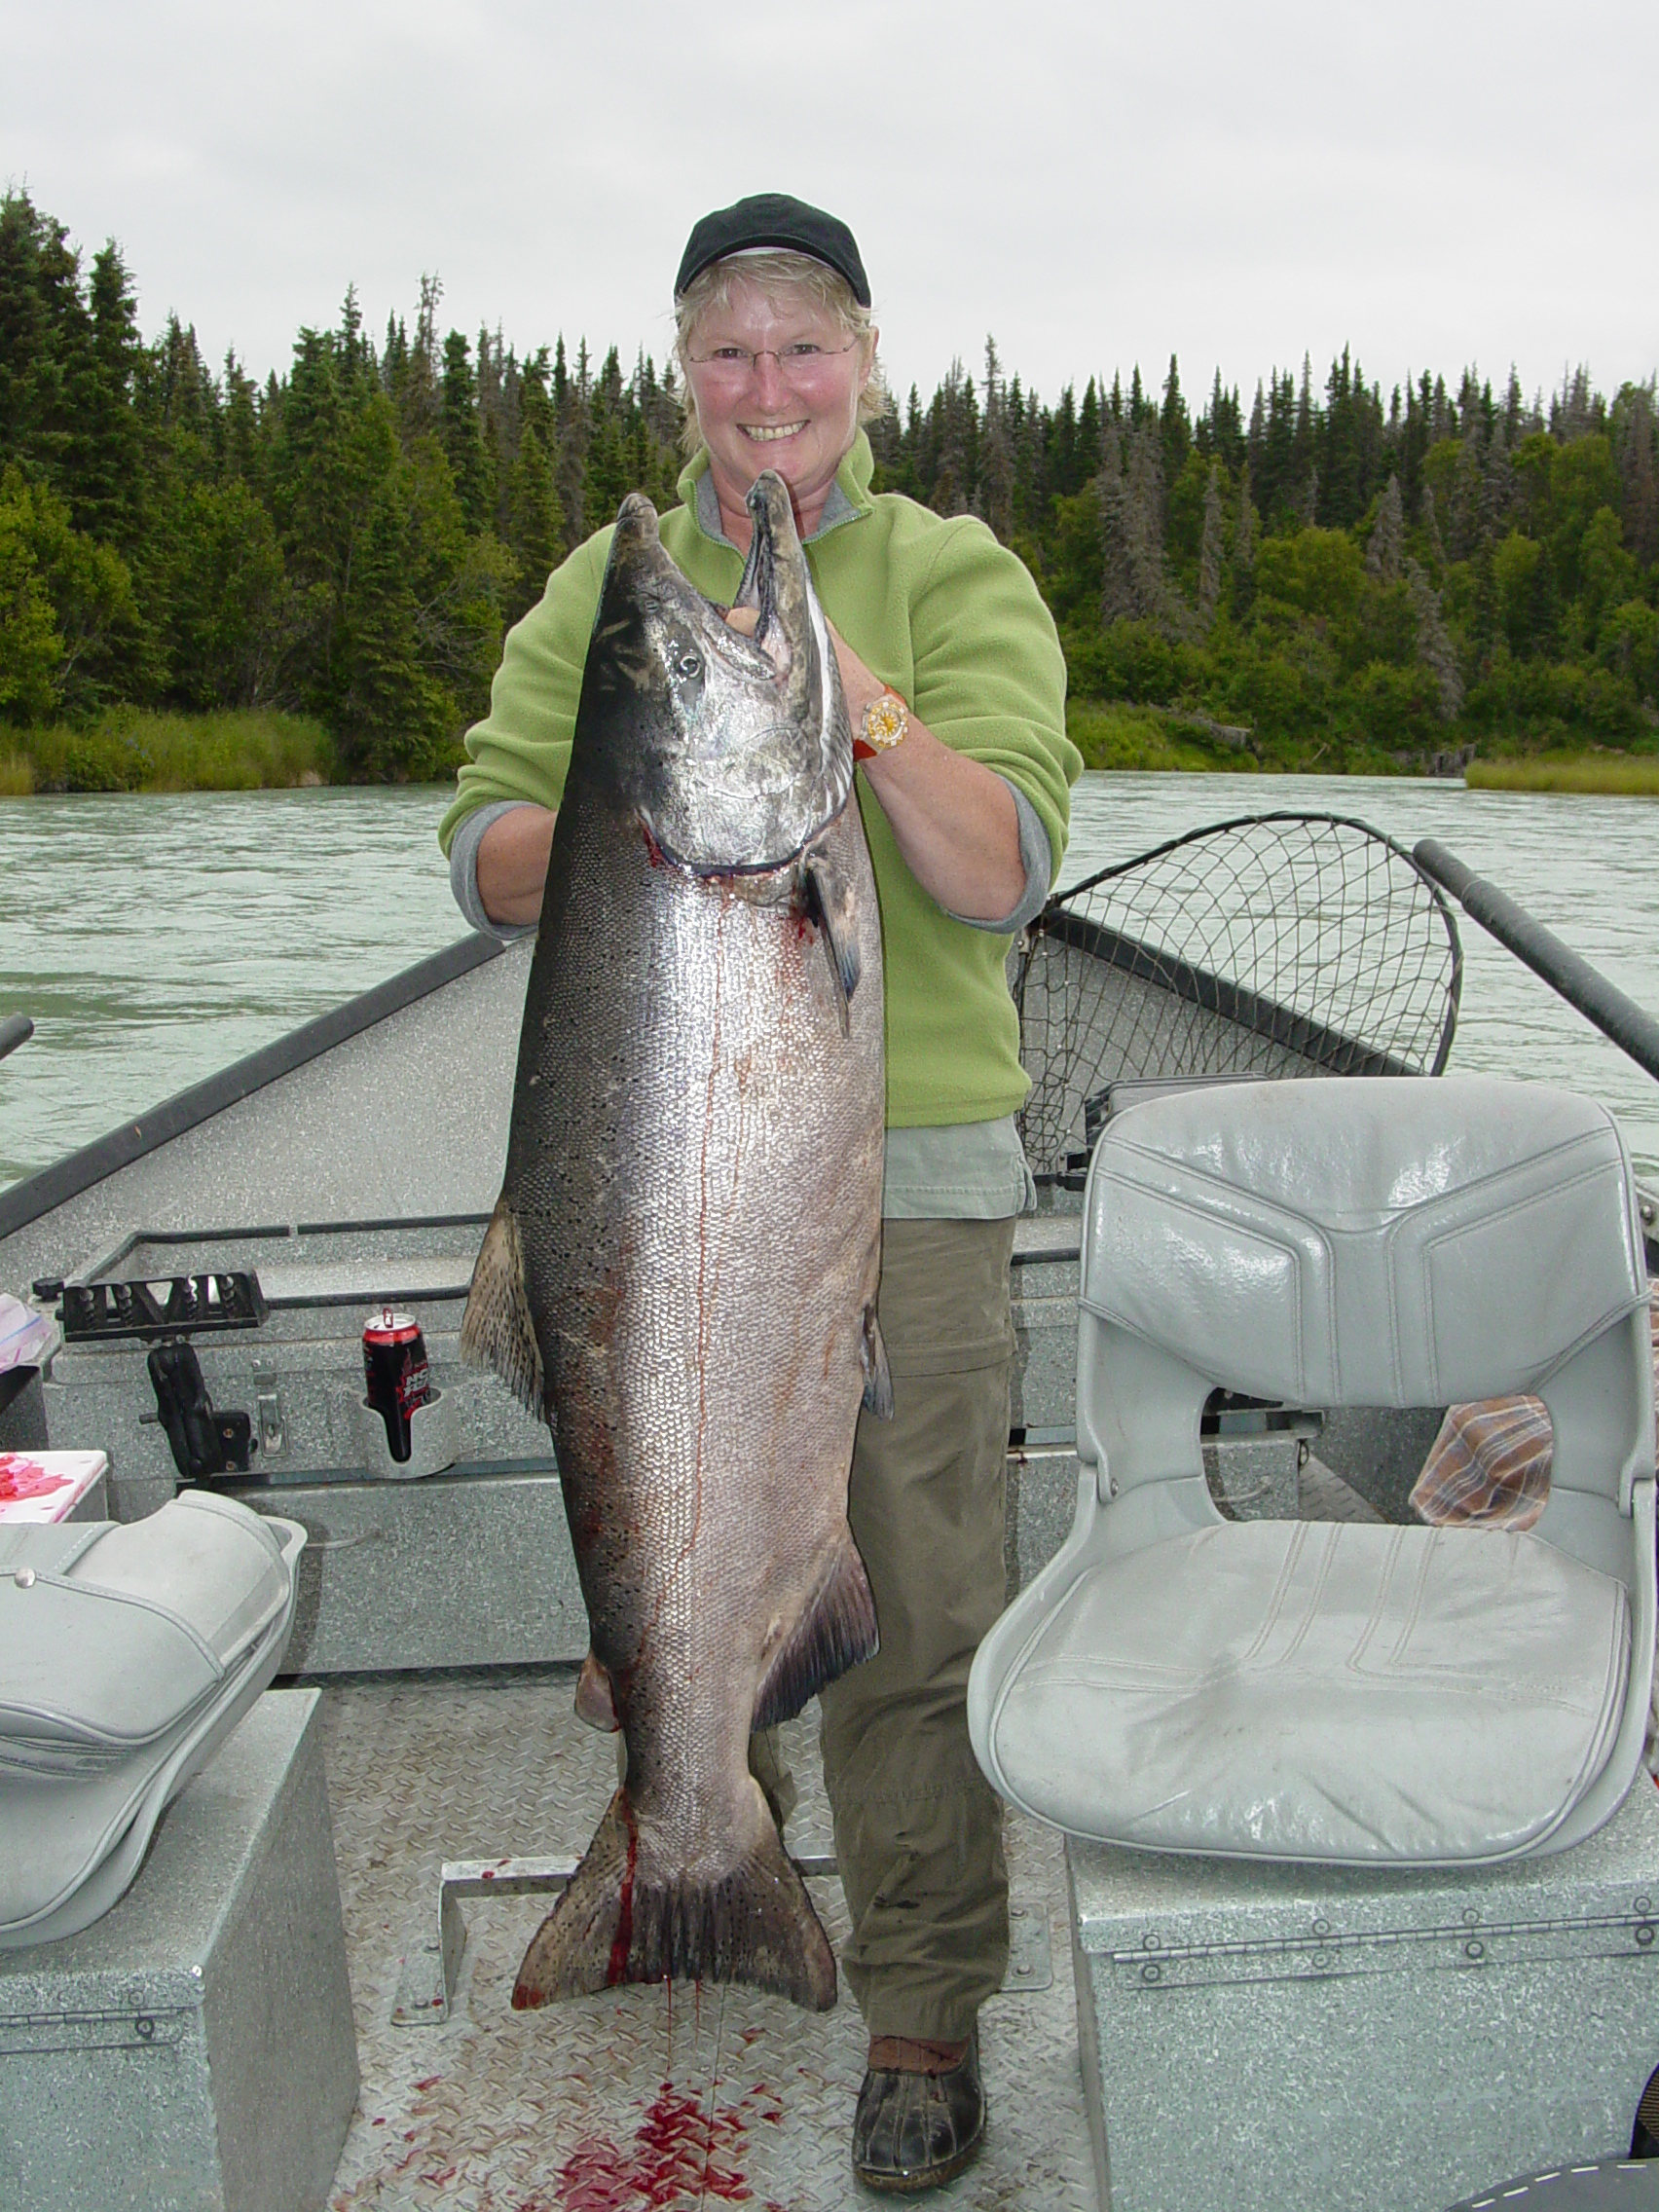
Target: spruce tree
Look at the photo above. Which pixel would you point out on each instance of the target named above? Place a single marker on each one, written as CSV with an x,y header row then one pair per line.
x,y
463,436
1175,424
996,450
112,489
1245,534
1210,550
1434,647
1385,553
1118,599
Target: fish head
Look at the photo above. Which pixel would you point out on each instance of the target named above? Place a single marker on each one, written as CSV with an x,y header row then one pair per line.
x,y
733,751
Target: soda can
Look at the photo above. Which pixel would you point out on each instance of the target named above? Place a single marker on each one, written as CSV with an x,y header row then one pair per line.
x,y
395,1372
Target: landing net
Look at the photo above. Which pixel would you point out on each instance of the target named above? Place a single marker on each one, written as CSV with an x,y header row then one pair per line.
x,y
1276,944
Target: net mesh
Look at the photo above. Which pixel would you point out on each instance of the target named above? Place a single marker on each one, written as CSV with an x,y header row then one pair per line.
x,y
1276,944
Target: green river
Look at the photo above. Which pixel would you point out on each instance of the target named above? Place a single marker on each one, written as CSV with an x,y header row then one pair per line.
x,y
155,938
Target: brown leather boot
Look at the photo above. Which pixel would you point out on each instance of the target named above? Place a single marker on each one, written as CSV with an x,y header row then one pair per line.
x,y
921,2112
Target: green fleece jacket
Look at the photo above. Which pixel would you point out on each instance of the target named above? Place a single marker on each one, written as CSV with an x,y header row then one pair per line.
x,y
952,620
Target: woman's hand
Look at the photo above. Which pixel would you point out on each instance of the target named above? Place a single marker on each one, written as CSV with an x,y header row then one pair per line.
x,y
512,864
954,819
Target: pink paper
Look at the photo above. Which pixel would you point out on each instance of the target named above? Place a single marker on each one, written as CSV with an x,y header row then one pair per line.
x,y
45,1486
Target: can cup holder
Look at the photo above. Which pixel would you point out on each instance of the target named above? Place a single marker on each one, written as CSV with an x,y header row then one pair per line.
x,y
434,1441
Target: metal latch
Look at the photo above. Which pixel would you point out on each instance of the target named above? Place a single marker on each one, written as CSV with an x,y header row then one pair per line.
x,y
268,1411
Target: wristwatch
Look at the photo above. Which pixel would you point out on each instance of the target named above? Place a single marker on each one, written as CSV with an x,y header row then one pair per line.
x,y
886,722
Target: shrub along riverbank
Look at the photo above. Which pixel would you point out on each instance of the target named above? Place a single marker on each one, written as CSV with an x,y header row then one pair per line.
x,y
129,751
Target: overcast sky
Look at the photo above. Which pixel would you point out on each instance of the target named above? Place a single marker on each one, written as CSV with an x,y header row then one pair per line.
x,y
1432,181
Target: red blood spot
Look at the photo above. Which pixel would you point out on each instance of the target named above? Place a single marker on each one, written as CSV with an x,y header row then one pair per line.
x,y
489,1874
652,848
623,1941
22,1478
678,2152
377,2123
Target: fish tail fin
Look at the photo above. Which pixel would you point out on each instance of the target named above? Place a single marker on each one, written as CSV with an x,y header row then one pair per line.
x,y
620,1921
836,1629
496,1329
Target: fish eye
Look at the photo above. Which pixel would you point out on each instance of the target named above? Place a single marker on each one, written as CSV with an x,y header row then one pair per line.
x,y
685,660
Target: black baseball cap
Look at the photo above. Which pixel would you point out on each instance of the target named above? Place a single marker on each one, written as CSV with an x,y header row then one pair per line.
x,y
773,218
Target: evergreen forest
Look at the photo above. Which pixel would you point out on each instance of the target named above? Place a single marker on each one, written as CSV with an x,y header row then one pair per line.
x,y
1319,576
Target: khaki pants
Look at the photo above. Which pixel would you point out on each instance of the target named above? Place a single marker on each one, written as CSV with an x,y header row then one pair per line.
x,y
918,1829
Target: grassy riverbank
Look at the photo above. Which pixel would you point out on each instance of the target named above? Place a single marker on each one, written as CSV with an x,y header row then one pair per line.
x,y
1116,734
1591,772
260,750
130,750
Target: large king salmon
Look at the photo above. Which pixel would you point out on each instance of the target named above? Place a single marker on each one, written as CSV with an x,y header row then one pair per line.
x,y
681,1273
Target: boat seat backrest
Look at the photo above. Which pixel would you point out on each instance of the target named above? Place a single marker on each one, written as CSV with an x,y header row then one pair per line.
x,y
1383,1242
1345,1693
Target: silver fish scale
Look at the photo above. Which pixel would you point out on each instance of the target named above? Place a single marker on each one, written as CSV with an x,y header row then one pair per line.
x,y
695,1162
641,2100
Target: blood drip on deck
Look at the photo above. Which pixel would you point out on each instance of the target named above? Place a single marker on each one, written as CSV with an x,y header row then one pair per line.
x,y
680,2154
22,1478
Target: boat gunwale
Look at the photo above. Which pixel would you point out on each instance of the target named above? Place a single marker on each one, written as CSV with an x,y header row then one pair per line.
x,y
37,1194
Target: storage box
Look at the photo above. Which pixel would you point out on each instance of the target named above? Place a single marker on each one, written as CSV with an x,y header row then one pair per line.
x,y
1258,2036
193,2050
468,1567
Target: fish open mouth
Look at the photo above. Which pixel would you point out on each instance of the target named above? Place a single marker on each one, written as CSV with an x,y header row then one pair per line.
x,y
730,744
759,586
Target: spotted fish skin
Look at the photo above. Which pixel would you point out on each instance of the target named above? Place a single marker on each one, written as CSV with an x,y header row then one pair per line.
x,y
682,1272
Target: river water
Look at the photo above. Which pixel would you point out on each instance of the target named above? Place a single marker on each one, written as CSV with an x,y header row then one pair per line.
x,y
155,938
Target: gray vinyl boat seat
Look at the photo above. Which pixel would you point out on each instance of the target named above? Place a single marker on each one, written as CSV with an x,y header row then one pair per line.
x,y
1339,1693
128,1655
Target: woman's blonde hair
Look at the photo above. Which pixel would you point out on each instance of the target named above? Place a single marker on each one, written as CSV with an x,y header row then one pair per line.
x,y
772,272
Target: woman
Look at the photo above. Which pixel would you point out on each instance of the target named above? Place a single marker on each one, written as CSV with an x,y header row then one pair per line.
x,y
955,687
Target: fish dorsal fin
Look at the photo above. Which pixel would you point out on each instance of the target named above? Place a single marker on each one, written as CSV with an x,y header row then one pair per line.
x,y
836,1629
496,1329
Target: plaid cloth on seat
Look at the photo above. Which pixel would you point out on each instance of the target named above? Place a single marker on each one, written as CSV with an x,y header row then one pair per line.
x,y
1489,1465
1489,1468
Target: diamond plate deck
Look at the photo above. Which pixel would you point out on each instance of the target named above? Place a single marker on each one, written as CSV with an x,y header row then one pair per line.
x,y
641,2100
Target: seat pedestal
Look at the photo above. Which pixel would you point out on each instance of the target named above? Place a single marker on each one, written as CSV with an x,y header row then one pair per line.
x,y
193,2050
1258,2036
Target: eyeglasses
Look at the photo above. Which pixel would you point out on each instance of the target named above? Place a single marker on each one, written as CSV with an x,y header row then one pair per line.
x,y
800,363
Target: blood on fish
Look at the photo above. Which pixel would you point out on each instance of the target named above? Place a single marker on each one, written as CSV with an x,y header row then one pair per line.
x,y
22,1478
623,1943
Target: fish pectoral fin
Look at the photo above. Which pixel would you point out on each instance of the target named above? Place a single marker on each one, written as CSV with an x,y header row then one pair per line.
x,y
879,1376
826,893
596,1702
497,1330
836,1629
623,1917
